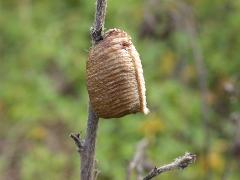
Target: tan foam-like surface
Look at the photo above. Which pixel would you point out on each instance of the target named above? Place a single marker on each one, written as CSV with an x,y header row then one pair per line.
x,y
115,79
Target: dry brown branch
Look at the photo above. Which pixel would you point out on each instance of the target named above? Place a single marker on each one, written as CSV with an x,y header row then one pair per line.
x,y
88,153
186,23
97,29
190,28
179,163
86,148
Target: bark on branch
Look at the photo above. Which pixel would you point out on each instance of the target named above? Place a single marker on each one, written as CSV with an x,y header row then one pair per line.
x,y
97,29
86,148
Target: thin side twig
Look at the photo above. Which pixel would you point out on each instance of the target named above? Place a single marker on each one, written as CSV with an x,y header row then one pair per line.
x,y
184,21
190,28
79,143
179,163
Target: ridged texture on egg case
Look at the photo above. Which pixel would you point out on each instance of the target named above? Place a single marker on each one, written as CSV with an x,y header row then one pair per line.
x,y
115,79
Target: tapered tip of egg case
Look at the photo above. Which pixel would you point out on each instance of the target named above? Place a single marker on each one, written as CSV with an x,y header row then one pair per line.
x,y
146,111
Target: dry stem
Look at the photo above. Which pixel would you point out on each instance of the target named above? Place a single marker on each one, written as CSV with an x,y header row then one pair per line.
x,y
87,148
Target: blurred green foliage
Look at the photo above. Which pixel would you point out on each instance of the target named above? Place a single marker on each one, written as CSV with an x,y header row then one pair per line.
x,y
43,98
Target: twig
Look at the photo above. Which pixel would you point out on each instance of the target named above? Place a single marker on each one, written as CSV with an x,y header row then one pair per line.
x,y
202,78
187,25
139,162
184,21
87,148
179,163
190,29
77,140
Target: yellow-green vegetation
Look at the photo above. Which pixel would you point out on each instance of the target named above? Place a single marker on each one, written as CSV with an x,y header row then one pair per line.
x,y
43,98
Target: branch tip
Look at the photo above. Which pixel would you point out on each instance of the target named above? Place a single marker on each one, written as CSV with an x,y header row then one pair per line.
x,y
79,143
179,163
